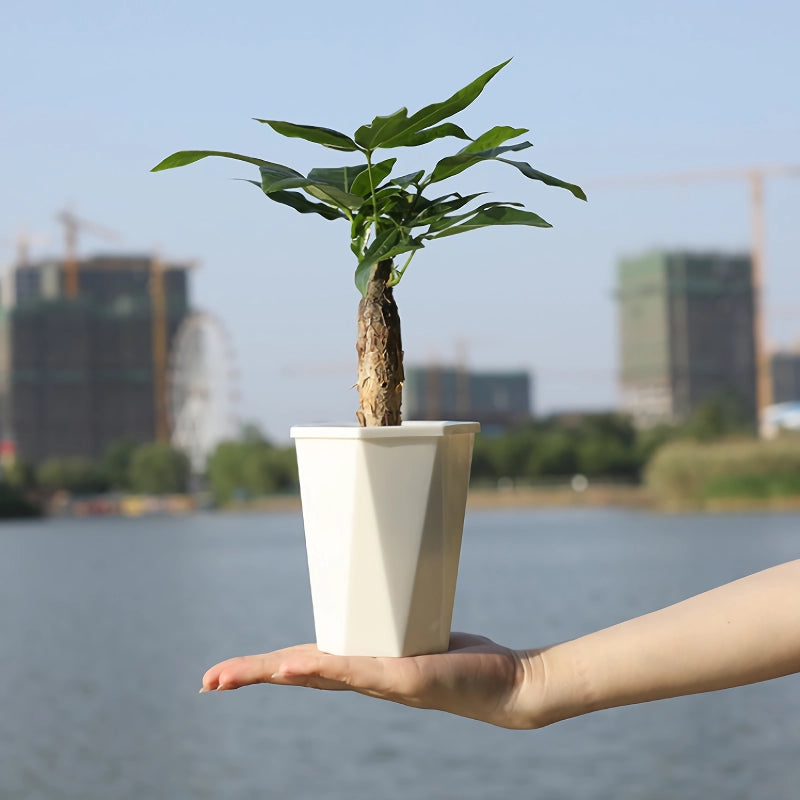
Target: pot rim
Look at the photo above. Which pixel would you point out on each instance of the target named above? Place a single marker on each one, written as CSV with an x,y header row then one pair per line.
x,y
410,429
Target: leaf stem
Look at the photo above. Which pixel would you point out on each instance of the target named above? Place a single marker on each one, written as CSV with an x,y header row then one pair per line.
x,y
398,273
372,190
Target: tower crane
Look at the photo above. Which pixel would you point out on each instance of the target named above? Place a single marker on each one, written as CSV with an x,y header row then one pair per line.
x,y
22,243
72,224
755,177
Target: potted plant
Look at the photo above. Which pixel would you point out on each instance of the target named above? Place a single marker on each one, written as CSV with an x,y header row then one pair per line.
x,y
383,500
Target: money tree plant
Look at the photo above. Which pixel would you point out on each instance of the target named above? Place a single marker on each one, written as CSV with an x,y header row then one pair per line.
x,y
392,217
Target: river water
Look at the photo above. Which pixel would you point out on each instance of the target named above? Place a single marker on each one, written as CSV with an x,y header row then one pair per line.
x,y
106,626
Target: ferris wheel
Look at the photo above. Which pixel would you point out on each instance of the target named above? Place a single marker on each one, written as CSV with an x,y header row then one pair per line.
x,y
201,388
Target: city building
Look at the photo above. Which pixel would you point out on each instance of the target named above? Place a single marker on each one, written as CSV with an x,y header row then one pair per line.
x,y
785,373
79,372
686,334
498,400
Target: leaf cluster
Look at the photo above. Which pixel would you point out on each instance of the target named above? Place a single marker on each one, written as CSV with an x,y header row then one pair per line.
x,y
391,216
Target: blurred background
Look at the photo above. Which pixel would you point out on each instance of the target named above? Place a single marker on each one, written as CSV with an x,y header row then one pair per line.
x,y
180,306
663,113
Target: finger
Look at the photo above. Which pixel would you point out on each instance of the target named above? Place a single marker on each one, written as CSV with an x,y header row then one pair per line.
x,y
246,670
362,674
303,665
237,672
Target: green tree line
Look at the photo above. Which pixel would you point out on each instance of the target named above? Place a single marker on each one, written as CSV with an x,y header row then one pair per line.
x,y
600,446
244,469
150,468
603,446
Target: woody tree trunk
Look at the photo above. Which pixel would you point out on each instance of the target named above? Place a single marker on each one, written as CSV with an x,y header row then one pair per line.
x,y
380,352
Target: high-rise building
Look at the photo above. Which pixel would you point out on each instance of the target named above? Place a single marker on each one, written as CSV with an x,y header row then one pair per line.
x,y
79,373
785,372
686,334
498,400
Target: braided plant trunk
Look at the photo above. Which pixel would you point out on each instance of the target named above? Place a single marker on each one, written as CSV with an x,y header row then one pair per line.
x,y
380,352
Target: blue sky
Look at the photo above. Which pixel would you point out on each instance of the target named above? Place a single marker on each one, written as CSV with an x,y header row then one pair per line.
x,y
95,93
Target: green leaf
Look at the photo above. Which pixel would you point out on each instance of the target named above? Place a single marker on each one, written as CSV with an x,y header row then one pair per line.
x,y
404,181
184,157
377,250
389,199
452,165
390,204
436,112
299,203
529,172
304,206
442,221
330,194
361,185
387,244
501,215
438,209
416,138
493,138
340,177
381,128
275,178
391,131
327,137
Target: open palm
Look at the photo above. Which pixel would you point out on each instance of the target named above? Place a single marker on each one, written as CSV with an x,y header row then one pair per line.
x,y
475,678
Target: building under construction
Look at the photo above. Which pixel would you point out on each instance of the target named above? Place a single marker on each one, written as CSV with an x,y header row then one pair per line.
x,y
686,325
83,353
785,372
498,400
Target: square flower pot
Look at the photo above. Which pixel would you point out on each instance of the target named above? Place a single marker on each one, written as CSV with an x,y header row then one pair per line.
x,y
383,511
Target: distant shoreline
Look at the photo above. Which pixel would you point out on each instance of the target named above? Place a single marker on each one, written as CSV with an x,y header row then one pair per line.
x,y
525,497
561,497
482,498
598,496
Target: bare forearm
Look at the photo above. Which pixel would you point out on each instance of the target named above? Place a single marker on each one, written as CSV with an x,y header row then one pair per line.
x,y
743,632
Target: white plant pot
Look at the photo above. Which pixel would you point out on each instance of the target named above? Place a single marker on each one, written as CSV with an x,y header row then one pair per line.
x,y
383,511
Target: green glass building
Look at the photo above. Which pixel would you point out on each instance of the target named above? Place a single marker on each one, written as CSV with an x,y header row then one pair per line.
x,y
685,334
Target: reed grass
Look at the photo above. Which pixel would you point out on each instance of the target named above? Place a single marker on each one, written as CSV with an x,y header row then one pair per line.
x,y
690,475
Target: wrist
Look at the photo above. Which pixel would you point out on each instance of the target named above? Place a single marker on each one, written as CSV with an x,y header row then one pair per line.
x,y
555,685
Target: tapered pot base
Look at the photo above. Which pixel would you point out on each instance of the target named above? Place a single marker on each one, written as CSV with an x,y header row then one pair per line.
x,y
383,512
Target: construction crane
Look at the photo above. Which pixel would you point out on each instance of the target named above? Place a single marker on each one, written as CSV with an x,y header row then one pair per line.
x,y
22,244
72,224
754,177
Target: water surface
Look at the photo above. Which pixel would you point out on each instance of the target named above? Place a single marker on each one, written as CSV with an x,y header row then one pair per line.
x,y
107,625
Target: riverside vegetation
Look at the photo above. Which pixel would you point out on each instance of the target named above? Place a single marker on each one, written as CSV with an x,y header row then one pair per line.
x,y
726,475
712,462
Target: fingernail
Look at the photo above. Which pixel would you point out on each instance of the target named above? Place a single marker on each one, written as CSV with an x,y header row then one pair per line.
x,y
204,690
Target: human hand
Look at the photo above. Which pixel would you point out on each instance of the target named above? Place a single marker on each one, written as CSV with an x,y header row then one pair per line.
x,y
475,678
743,632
